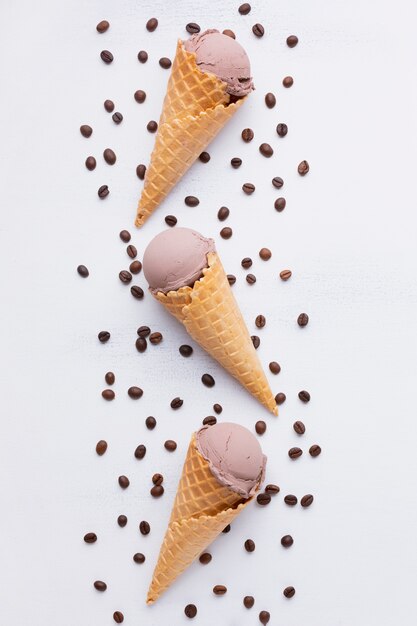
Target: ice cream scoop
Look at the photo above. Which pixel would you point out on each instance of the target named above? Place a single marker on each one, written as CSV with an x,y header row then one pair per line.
x,y
223,56
175,258
234,456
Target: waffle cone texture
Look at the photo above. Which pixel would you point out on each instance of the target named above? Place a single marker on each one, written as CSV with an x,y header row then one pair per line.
x,y
212,317
202,509
195,109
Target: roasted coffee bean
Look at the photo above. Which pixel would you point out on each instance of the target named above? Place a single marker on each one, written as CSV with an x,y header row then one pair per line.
x,y
246,263
152,126
303,168
135,393
103,336
106,56
295,453
205,558
103,192
155,338
139,558
247,135
191,201
170,445
150,422
102,26
299,427
260,427
140,451
226,232
288,81
109,156
249,545
236,162
223,213
108,394
86,130
280,398
315,450
272,489
277,182
285,274
141,171
90,163
141,344
229,33
118,617
83,271
135,267
263,499
204,157
124,482
170,220
101,447
248,602
151,24
142,56
132,251
191,609
248,188
217,408
137,292
140,96
157,491
231,279
251,279
90,538
125,236
244,8
291,500
289,592
304,396
219,590
256,341
192,28
208,380
307,500
185,350
274,367
210,420
227,529
117,117
258,30
264,617
292,41
157,479
144,528
122,521
287,541
176,403
165,63
109,106
125,277
280,204
270,100
266,150
302,319
100,585
260,321
282,130
265,254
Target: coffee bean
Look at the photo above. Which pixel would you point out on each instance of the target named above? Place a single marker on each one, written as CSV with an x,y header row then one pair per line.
x,y
295,453
288,81
157,479
217,408
185,350
151,24
292,41
135,267
191,201
265,254
106,56
191,609
142,56
109,106
103,336
260,321
274,367
226,232
303,168
192,28
86,130
270,100
109,156
256,341
157,491
247,135
141,171
118,617
125,236
170,445
141,344
251,279
282,130
231,279
144,528
90,163
90,538
137,292
219,590
135,393
249,545
132,251
208,380
227,529
102,26
285,274
152,126
101,447
307,500
304,396
287,541
248,602
125,277
205,558
204,157
117,117
246,263
83,271
122,521
280,398
155,338
223,213
289,592
272,489
108,394
260,427
103,192
244,9
140,452
140,96
266,150
280,204
291,500
139,558
150,422
210,420
299,427
277,182
258,30
315,450
263,499
100,585
236,162
264,617
248,188
165,63
229,33
170,220
124,482
302,319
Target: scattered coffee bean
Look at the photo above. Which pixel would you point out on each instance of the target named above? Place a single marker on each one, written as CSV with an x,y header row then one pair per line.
x,y
210,420
217,408
139,558
106,56
192,28
101,447
135,393
292,41
251,279
291,500
272,489
157,479
229,33
285,274
274,367
90,163
109,106
219,590
280,398
236,162
270,100
266,150
124,482
246,263
244,9
150,422
295,453
231,279
302,319
204,157
260,321
303,168
118,617
170,220
280,204
125,277
108,394
132,251
137,292
165,63
264,617
191,201
140,452
102,26
170,445
287,541
288,81
141,344
247,135
135,267
144,528
249,545
151,24
142,56
315,450
289,592
226,232
282,130
304,396
299,427
260,427
208,380
122,521
307,500
265,254
90,538
117,117
141,171
157,491
258,30
277,182
248,602
125,236
255,341
205,558
227,529
103,192
191,609
248,188
140,96
223,213
152,126
83,271
103,336
86,130
155,338
263,499
109,156
185,350
100,585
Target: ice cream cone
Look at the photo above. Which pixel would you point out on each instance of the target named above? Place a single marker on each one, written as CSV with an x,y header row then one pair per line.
x,y
196,107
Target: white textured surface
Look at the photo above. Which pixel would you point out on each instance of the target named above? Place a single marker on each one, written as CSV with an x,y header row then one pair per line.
x,y
349,235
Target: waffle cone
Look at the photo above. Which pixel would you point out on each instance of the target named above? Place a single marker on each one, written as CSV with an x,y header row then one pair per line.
x,y
201,510
196,107
212,317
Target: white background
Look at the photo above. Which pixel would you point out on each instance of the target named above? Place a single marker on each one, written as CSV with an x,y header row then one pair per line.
x,y
348,234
